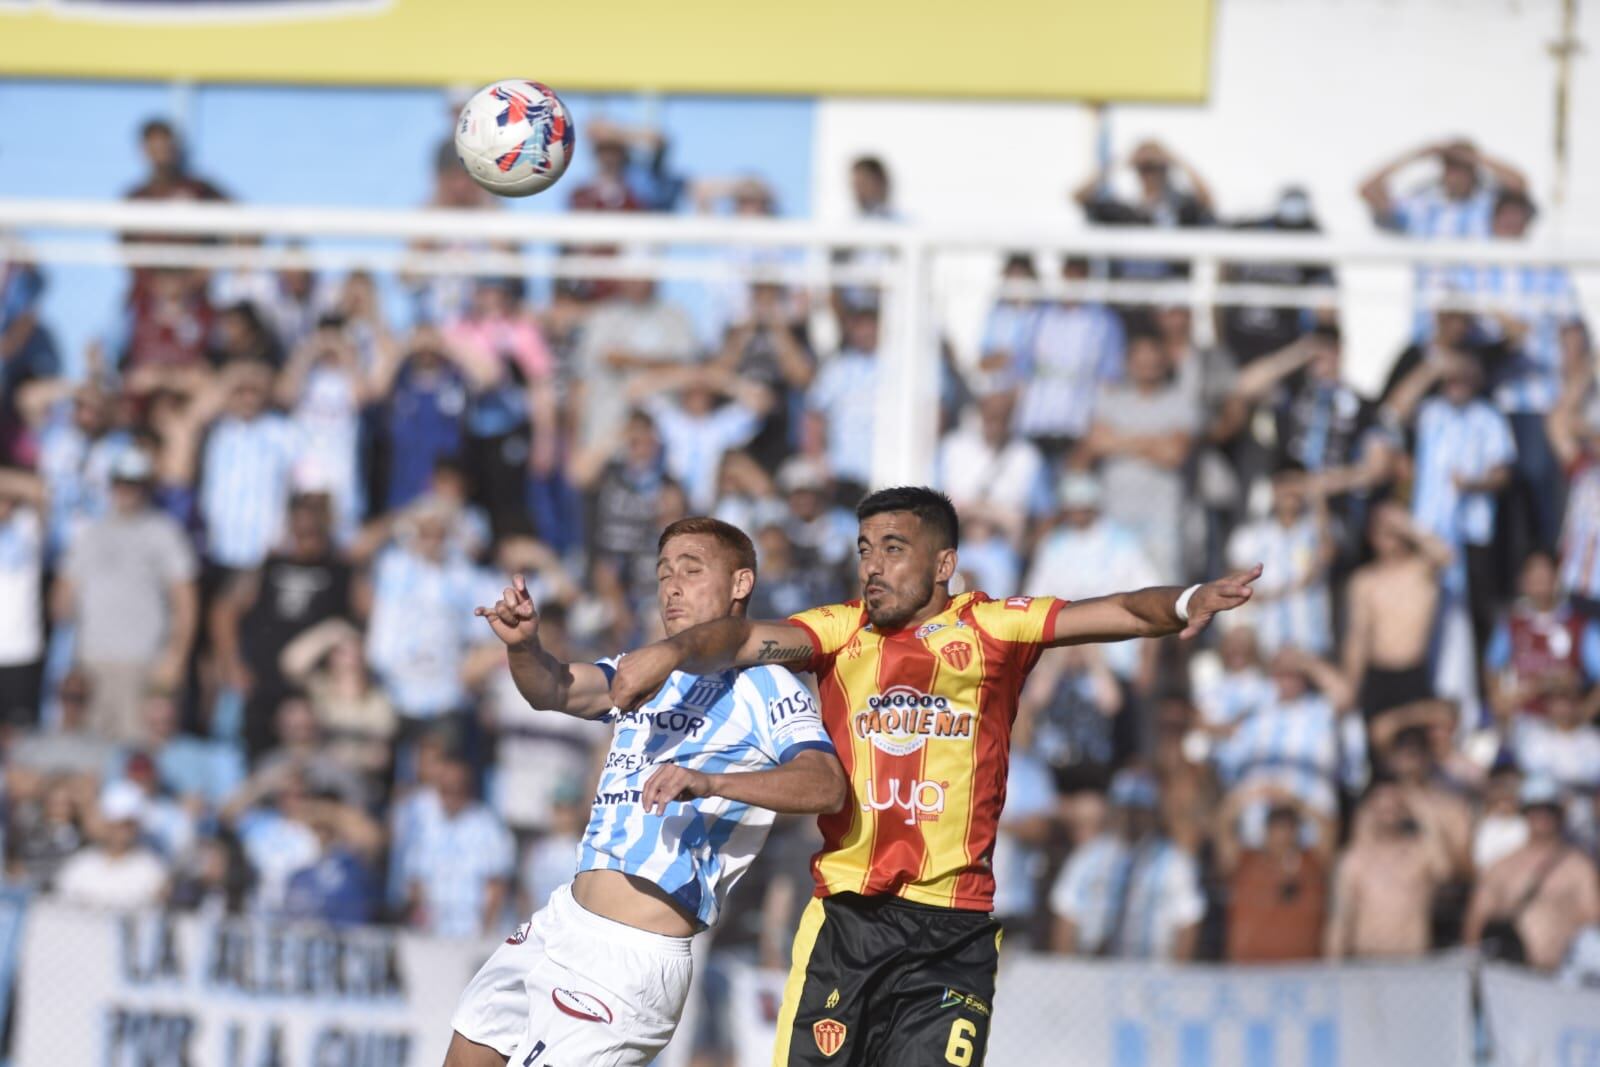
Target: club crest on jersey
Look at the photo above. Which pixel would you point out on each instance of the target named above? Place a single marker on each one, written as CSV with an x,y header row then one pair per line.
x,y
704,694
581,1005
829,1035
958,654
927,629
853,649
900,720
520,936
1018,603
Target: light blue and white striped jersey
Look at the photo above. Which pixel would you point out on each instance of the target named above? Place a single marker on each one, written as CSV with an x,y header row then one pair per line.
x,y
1073,352
1468,441
422,627
77,469
1290,608
1580,533
244,492
1429,213
21,580
735,721
1008,330
1544,299
695,444
845,394
1302,745
1130,901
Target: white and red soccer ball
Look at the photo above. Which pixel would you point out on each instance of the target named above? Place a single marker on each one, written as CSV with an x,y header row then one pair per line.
x,y
515,137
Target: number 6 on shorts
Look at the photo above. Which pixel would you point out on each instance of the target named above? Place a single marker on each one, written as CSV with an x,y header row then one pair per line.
x,y
958,1050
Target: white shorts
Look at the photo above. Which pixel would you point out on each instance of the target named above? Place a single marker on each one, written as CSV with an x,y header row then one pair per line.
x,y
572,989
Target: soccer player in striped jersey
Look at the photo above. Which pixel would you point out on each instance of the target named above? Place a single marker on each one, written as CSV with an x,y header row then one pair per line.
x,y
696,770
894,960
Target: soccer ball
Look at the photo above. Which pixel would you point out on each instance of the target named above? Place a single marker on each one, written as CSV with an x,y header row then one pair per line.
x,y
515,137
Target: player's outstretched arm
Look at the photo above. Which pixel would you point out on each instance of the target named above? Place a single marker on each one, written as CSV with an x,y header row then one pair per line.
x,y
713,646
812,783
545,682
1151,612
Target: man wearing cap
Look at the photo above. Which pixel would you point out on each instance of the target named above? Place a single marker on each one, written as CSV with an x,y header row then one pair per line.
x,y
1547,890
128,584
1129,893
118,872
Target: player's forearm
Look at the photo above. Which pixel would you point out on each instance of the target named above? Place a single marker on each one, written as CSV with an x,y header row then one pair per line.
x,y
731,642
811,784
544,681
1152,612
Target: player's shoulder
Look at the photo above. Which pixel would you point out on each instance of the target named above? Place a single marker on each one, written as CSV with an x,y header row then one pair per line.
x,y
764,681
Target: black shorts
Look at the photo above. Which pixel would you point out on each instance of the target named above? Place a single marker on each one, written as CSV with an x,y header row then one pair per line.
x,y
883,982
19,694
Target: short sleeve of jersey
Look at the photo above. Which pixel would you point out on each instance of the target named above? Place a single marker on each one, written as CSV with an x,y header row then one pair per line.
x,y
787,719
1021,620
830,628
608,667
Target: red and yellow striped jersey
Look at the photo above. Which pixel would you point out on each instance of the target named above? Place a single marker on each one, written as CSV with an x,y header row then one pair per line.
x,y
921,719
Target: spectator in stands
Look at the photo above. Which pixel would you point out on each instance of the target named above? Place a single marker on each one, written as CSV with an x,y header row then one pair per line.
x,y
771,347
27,349
1291,605
701,413
1562,745
129,585
337,888
625,497
324,390
246,467
1393,611
871,190
1464,452
984,467
1574,431
1009,326
990,556
841,405
817,525
1458,203
551,861
271,813
422,415
115,872
22,558
354,716
747,496
636,330
73,747
1296,740
1161,200
1530,905
217,881
631,171
44,824
1129,893
238,335
1539,644
301,752
169,177
1142,436
1384,885
1277,895
1089,554
786,587
423,594
167,824
1026,827
168,323
297,587
76,441
201,772
1226,697
459,865
1073,349
1501,829
1444,816
1067,719
1251,332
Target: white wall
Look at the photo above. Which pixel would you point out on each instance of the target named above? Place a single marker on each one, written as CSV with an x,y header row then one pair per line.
x,y
1314,92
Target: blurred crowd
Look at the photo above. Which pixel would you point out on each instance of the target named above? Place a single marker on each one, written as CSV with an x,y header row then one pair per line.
x,y
239,670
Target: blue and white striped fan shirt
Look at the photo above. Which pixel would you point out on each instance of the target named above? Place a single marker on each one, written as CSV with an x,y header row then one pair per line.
x,y
1291,609
1468,441
1073,352
244,495
1580,533
735,721
1544,299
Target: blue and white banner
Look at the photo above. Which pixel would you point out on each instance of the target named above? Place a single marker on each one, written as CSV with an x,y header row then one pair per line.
x,y
150,990
1534,1021
1055,1012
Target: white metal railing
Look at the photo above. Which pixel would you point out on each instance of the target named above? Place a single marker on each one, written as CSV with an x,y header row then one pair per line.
x,y
505,242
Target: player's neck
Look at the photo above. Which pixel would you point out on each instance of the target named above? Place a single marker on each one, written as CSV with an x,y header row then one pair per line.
x,y
937,604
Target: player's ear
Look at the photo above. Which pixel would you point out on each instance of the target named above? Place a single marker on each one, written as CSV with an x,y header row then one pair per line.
x,y
744,583
945,565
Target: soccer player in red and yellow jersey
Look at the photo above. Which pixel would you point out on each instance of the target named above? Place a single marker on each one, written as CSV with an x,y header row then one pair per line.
x,y
894,960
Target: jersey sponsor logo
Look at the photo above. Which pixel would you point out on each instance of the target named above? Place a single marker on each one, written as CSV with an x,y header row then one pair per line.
x,y
1018,603
520,936
927,629
829,1035
581,1005
625,761
922,800
958,654
781,708
901,720
833,1000
954,998
675,722
618,796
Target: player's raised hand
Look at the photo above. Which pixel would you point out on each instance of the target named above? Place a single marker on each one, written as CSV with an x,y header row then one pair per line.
x,y
513,617
641,674
672,783
1224,594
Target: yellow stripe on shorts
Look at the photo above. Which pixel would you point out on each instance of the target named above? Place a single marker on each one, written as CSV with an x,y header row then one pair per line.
x,y
805,939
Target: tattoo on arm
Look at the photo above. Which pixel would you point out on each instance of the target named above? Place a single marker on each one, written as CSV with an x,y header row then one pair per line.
x,y
777,652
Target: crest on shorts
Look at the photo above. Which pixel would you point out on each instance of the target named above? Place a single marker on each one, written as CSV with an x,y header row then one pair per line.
x,y
829,1035
958,654
581,1005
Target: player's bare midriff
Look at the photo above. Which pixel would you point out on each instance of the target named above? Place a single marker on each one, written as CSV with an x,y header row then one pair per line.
x,y
633,902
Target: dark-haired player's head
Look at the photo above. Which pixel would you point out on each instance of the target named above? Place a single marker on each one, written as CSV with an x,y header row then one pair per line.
x,y
907,552
705,570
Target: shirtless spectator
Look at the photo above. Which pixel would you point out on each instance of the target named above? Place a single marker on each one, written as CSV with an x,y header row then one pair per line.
x,y
1409,758
1392,604
1277,895
1384,887
1530,905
